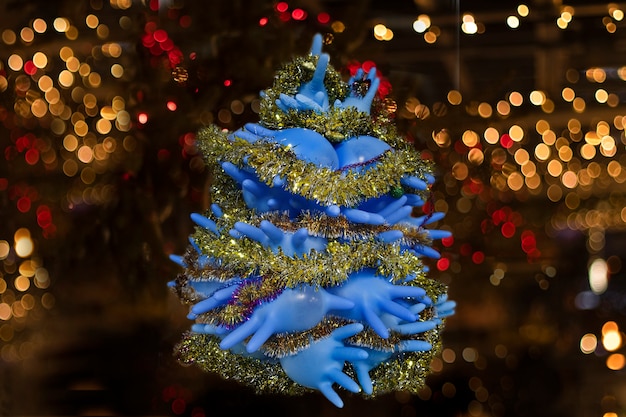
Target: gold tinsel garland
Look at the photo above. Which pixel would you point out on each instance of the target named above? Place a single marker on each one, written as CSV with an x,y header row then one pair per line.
x,y
322,225
264,376
287,344
405,371
246,258
344,188
269,272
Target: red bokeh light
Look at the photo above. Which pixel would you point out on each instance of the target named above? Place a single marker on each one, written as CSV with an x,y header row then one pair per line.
x,y
486,226
150,27
30,68
178,406
31,156
167,45
460,148
443,264
529,242
508,229
323,18
163,154
478,257
142,118
447,241
44,217
156,49
368,65
197,412
298,14
160,35
506,141
263,21
282,7
171,105
228,83
169,393
185,21
475,186
23,204
465,249
147,40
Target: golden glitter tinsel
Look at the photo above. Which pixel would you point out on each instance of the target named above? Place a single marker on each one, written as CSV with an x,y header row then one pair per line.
x,y
344,188
406,371
246,258
264,376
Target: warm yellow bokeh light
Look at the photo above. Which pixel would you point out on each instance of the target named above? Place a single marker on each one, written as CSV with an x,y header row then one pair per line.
x,y
569,179
476,156
85,154
421,23
61,24
612,340
555,168
523,10
485,110
15,62
430,37
515,181
503,108
92,21
601,95
470,138
21,283
491,135
40,25
588,343
24,245
4,249
66,79
516,99
568,94
454,97
542,152
40,60
616,362
512,22
516,133
579,104
541,126
521,156
537,97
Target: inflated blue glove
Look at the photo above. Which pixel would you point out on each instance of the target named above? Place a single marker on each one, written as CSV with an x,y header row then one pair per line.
x,y
315,90
373,296
362,104
320,365
360,153
295,309
260,197
444,307
410,327
217,298
290,243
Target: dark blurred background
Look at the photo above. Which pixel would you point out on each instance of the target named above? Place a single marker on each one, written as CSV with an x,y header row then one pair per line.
x,y
522,106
